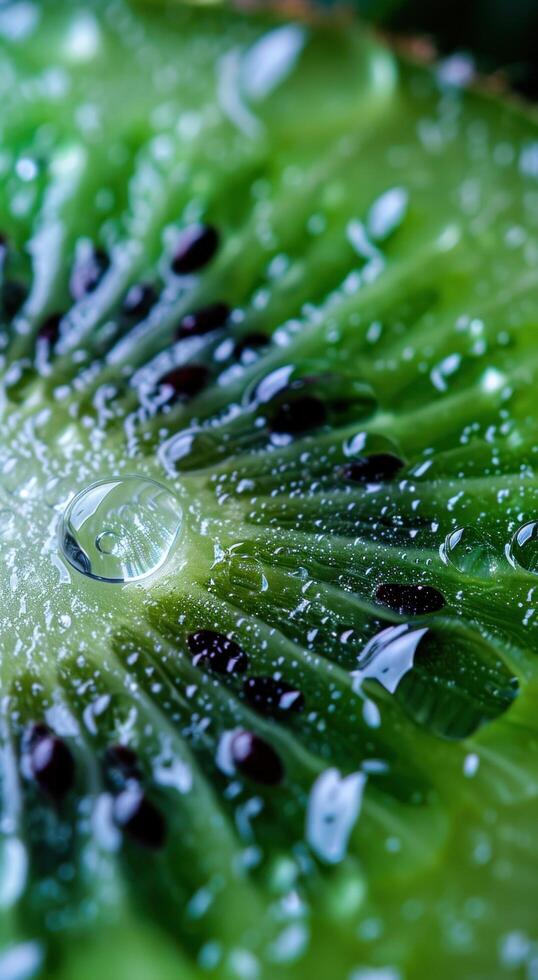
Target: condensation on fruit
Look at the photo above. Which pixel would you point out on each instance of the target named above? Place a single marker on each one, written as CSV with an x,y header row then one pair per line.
x,y
120,530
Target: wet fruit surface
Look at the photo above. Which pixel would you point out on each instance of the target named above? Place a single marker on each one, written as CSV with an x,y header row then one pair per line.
x,y
268,504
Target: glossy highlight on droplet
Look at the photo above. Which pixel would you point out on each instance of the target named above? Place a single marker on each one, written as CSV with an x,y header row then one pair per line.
x,y
120,530
470,551
523,548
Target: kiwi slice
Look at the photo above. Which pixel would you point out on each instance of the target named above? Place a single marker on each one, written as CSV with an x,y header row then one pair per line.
x,y
268,516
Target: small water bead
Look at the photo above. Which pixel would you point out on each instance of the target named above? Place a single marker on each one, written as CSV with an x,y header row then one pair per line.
x,y
203,320
120,530
196,247
109,543
255,758
245,572
470,551
217,651
523,548
410,600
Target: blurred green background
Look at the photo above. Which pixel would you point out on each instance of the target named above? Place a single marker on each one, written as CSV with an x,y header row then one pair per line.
x,y
502,35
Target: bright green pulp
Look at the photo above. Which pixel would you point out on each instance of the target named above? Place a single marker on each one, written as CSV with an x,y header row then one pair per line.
x,y
121,124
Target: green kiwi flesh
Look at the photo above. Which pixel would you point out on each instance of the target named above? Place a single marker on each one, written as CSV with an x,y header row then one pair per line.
x,y
268,504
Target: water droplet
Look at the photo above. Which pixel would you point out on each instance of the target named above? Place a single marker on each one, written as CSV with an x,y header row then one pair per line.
x,y
333,808
388,656
244,571
523,548
120,530
470,551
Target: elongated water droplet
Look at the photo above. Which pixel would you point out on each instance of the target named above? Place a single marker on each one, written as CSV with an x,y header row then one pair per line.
x,y
470,551
120,530
388,656
523,548
333,808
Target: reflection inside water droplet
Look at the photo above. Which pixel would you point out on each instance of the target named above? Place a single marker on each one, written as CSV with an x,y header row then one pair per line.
x,y
470,551
388,656
108,543
120,530
523,548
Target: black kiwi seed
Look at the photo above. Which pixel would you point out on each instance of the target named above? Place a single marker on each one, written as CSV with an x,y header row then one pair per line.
x,y
50,328
88,272
217,651
138,300
250,342
186,381
372,469
14,294
271,697
256,759
410,600
125,760
204,320
51,762
196,247
138,817
298,415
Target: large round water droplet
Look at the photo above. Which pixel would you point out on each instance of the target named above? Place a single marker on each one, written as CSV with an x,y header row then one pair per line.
x,y
470,551
120,530
523,548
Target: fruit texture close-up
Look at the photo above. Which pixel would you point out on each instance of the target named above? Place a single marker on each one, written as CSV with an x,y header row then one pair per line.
x,y
268,502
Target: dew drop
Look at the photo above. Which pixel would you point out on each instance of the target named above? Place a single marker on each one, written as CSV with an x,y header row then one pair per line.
x,y
470,551
333,808
388,656
120,530
523,548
